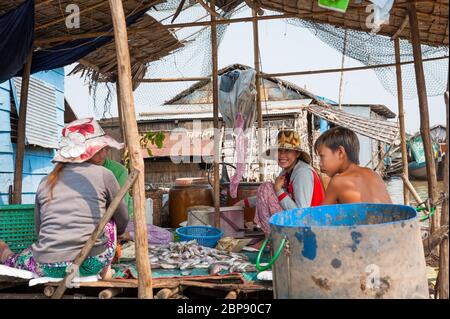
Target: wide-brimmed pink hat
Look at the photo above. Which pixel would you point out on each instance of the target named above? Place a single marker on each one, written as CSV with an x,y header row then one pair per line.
x,y
82,139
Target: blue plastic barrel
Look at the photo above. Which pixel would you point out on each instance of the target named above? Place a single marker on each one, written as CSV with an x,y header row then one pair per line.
x,y
349,251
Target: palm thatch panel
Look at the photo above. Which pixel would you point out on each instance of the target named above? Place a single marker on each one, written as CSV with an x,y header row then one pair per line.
x,y
432,16
151,43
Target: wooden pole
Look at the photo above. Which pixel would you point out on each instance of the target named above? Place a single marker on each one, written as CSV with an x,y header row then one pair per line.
x,y
215,88
40,42
134,148
310,124
423,110
411,188
109,293
443,251
20,149
84,253
341,81
401,118
269,75
259,115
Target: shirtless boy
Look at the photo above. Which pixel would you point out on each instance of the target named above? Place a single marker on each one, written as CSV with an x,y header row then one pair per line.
x,y
338,149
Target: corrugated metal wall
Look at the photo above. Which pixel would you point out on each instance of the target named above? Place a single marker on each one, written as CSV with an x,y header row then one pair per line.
x,y
37,161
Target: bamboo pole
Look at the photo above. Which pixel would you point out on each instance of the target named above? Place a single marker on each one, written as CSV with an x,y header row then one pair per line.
x,y
84,253
257,62
310,125
358,68
109,293
341,81
89,35
411,188
215,88
134,148
424,115
401,118
268,75
20,149
443,250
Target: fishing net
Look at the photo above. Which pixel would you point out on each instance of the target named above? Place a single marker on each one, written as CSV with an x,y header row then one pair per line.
x,y
372,49
194,59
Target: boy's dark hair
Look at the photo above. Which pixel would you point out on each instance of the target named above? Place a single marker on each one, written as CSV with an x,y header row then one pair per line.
x,y
340,136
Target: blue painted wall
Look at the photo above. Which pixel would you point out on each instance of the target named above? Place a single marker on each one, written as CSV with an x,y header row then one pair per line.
x,y
37,161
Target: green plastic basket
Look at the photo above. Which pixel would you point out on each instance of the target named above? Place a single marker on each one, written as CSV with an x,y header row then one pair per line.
x,y
17,226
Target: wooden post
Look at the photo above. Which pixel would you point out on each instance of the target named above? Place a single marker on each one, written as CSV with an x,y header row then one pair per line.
x,y
310,125
257,62
215,88
341,81
109,293
443,251
84,253
423,110
122,130
20,149
134,148
401,118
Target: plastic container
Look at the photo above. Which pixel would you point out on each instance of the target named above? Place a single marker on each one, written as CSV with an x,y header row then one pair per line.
x,y
17,227
349,251
204,235
231,219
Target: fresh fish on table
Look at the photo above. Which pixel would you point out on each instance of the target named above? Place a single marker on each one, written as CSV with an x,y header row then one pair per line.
x,y
190,255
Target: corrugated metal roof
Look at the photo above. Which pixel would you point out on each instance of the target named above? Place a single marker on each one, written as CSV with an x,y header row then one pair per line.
x,y
41,126
380,130
204,111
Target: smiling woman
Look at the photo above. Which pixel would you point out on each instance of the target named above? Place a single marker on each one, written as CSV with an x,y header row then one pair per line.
x,y
297,186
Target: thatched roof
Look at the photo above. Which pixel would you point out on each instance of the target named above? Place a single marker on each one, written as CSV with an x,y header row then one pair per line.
x,y
432,16
149,44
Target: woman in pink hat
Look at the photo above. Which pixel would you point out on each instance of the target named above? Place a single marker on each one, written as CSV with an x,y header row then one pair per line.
x,y
69,204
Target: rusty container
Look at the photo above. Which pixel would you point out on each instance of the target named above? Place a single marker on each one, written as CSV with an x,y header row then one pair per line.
x,y
185,193
349,251
245,189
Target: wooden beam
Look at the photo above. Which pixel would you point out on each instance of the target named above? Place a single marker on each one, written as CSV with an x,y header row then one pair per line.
x,y
109,293
397,33
84,253
401,118
443,249
159,80
423,110
269,75
40,42
429,244
20,148
211,11
259,116
215,89
358,68
411,188
310,130
134,148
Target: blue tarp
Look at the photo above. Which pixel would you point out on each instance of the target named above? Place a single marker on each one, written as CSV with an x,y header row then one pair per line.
x,y
70,52
17,35
16,39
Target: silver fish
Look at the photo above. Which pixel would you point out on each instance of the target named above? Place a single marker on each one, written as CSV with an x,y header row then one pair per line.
x,y
214,269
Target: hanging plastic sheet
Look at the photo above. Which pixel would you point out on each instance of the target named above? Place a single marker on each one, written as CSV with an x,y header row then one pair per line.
x,y
16,39
237,106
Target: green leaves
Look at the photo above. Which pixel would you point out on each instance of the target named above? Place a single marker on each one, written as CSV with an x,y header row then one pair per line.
x,y
154,138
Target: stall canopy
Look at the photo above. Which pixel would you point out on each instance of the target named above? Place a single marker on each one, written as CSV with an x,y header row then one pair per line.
x,y
42,25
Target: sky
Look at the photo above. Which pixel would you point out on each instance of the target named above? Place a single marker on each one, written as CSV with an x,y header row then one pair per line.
x,y
283,48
